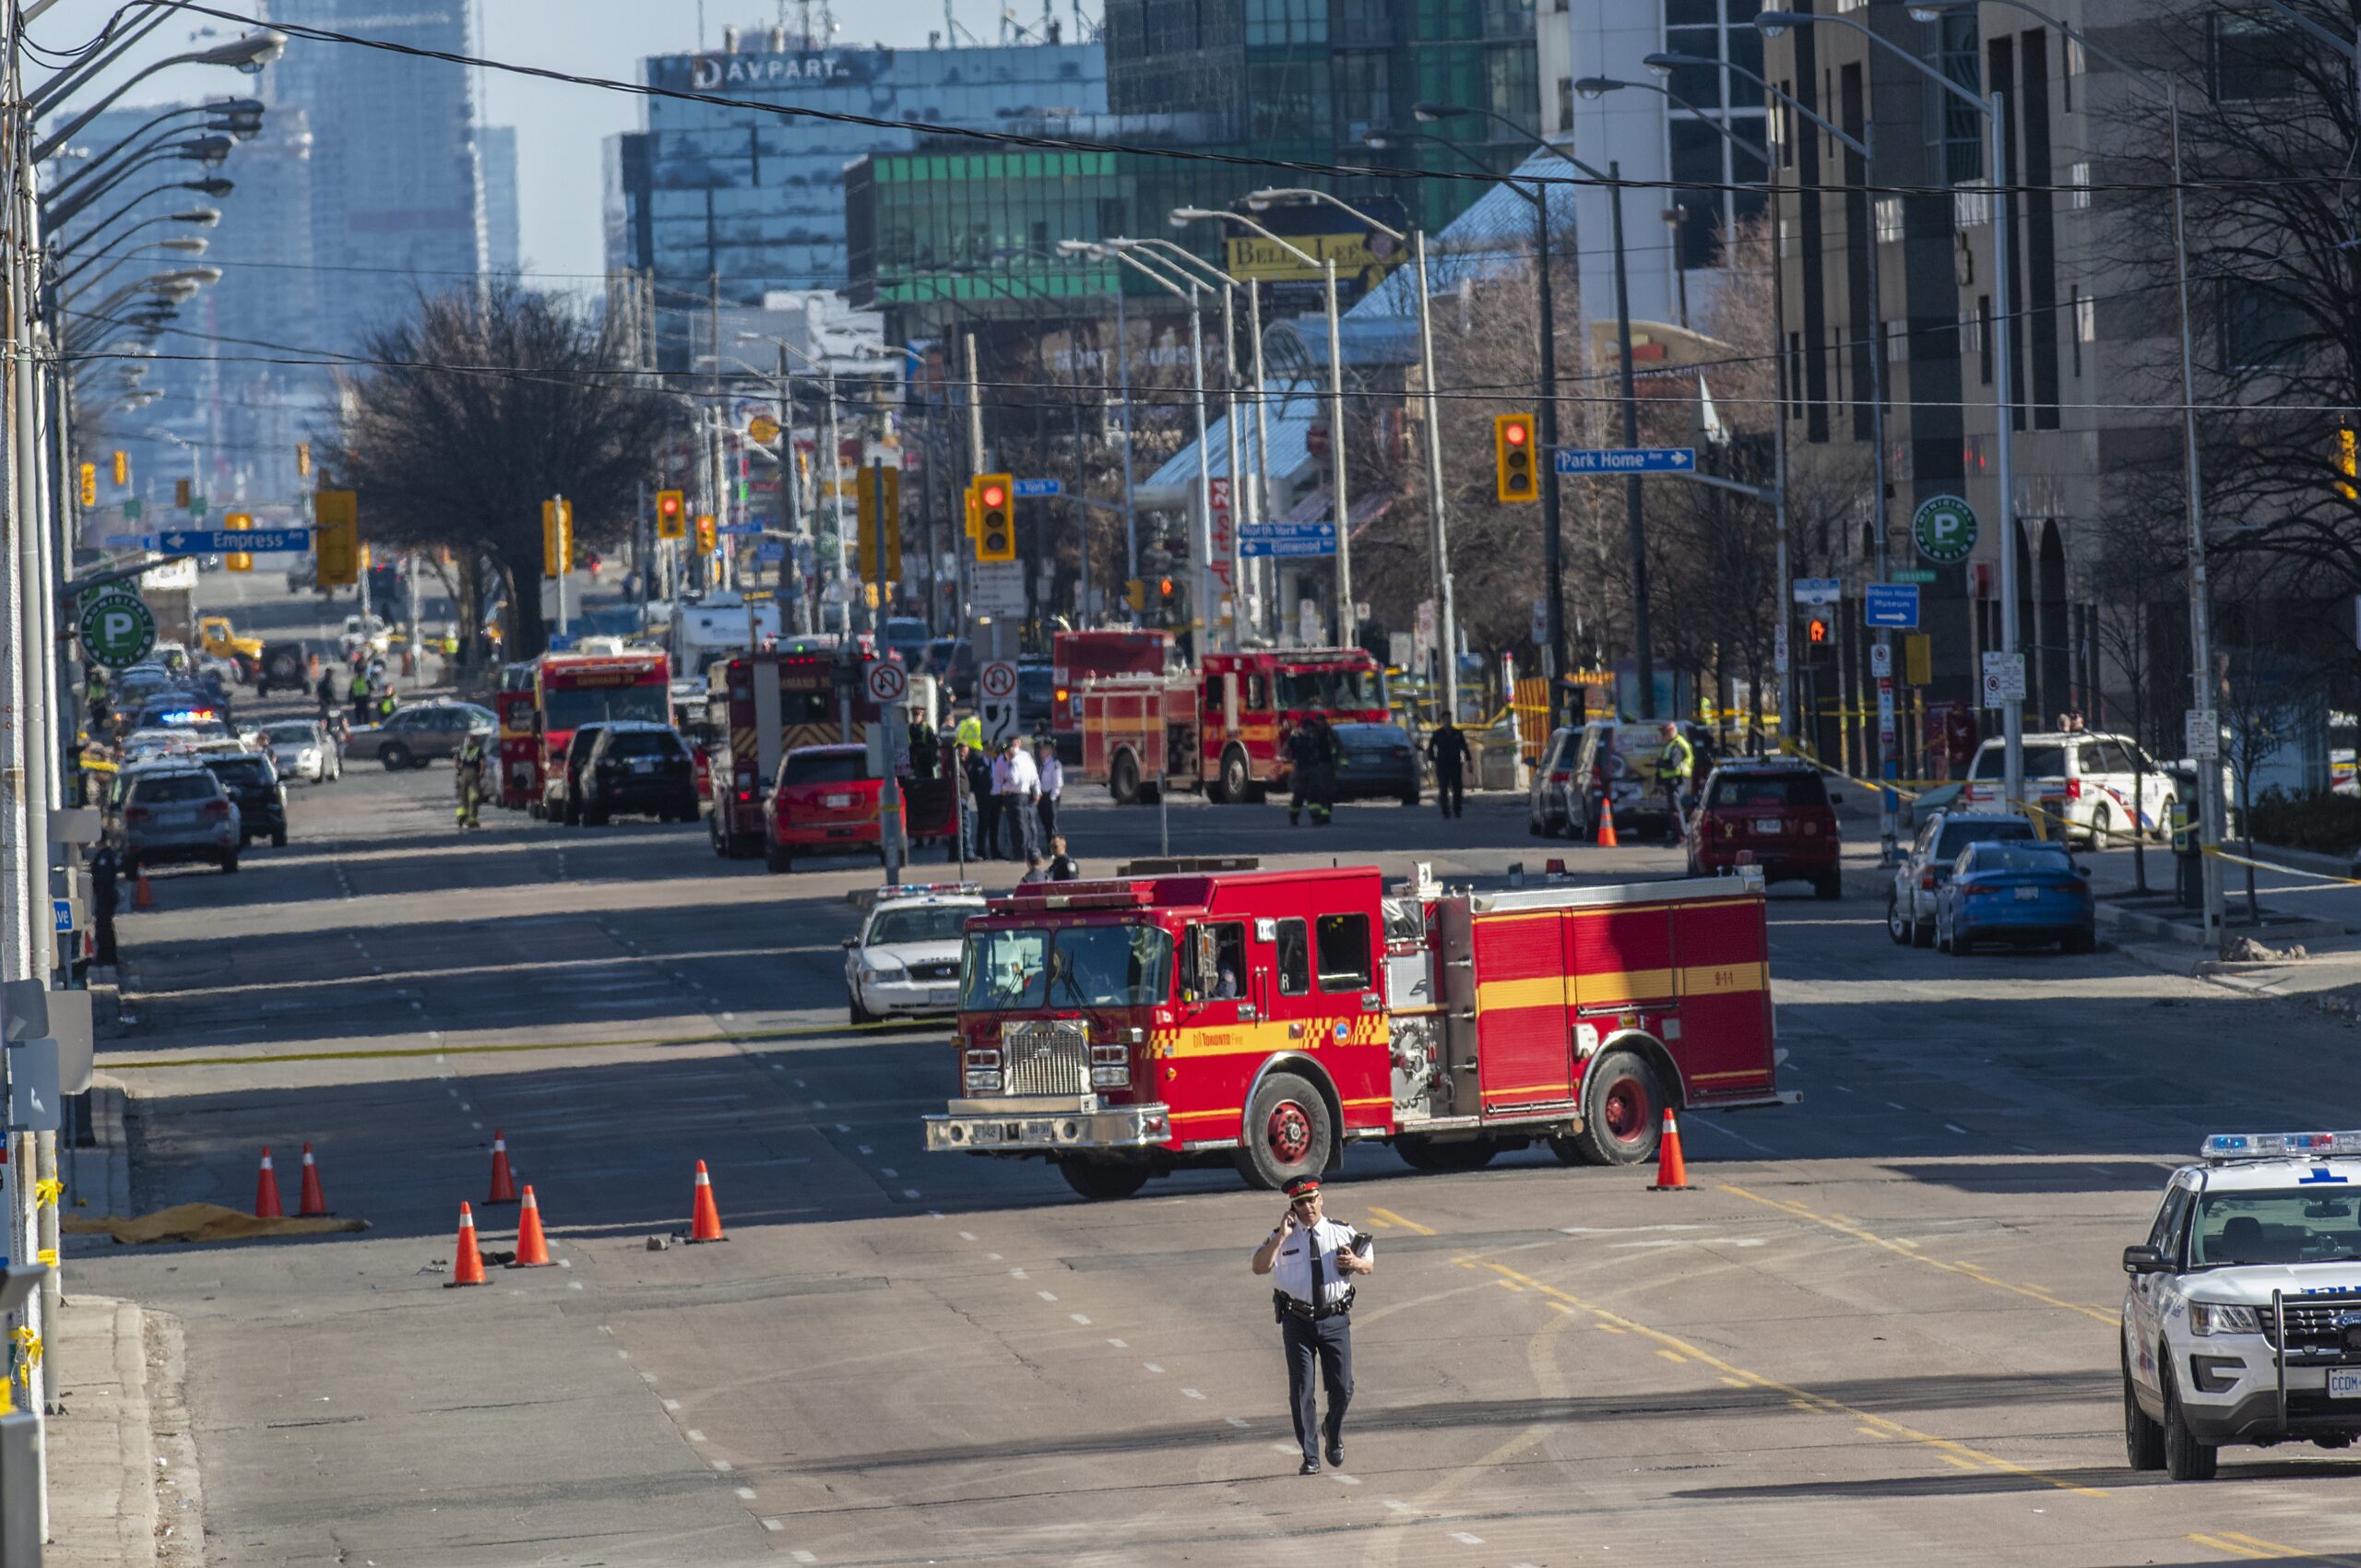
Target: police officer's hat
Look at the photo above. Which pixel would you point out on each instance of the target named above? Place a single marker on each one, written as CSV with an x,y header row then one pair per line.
x,y
1303,1187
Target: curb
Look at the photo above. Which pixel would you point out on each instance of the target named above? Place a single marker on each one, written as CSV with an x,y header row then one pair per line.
x,y
2185,933
2310,859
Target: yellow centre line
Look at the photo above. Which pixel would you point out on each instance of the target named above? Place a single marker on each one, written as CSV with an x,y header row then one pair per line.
x,y
2222,1545
1910,1250
2239,1544
1391,1217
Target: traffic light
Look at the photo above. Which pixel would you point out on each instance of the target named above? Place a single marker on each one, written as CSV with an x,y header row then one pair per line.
x,y
89,487
672,515
1816,630
1512,457
237,559
968,497
707,535
335,537
122,467
557,537
2348,462
878,491
995,517
1135,593
303,460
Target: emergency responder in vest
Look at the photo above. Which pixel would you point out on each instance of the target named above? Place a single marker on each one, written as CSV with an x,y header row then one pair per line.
x,y
1674,765
1310,1260
1311,772
359,687
468,769
1447,749
387,701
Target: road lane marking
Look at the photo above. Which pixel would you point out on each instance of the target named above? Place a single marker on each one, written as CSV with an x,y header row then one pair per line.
x,y
1192,1393
1080,1319
1238,1421
1152,1367
1910,1250
2222,1545
1046,1295
2259,1547
747,1492
1119,1344
1391,1217
814,1031
1464,1539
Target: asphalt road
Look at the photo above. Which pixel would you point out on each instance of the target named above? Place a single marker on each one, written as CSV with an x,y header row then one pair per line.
x,y
1880,1330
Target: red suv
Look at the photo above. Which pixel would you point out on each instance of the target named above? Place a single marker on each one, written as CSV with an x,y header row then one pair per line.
x,y
824,802
1770,813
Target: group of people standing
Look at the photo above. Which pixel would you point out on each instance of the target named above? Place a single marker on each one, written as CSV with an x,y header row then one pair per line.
x,y
1013,791
367,687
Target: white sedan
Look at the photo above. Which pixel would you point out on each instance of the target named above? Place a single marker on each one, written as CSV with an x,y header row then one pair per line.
x,y
304,749
906,960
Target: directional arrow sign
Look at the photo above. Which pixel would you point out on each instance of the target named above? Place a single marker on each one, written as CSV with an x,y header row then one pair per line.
x,y
214,542
1627,459
1039,487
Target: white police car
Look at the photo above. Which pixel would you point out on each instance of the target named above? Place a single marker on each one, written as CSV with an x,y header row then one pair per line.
x,y
906,960
2242,1320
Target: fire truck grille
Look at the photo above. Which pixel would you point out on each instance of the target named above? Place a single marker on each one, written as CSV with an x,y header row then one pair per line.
x,y
1045,1058
2317,1324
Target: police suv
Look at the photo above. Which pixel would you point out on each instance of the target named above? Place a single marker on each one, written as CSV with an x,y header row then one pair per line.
x,y
906,960
2242,1318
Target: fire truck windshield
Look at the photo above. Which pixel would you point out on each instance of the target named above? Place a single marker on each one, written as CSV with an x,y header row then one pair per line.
x,y
1082,966
1330,689
570,708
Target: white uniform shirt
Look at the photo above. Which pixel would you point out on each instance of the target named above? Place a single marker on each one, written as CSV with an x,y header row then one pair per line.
x,y
1291,1269
1053,775
1001,775
1023,776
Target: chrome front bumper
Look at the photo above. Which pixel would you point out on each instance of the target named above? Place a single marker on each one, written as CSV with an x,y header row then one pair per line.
x,y
974,1126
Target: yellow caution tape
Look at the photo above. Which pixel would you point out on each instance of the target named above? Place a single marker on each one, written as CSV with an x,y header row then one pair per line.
x,y
45,1192
28,1353
2219,853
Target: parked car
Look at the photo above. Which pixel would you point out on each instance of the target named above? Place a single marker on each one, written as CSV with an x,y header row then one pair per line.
x,y
282,666
412,737
1772,813
1583,766
2026,895
251,780
1910,902
2102,786
638,767
1037,695
1377,760
174,811
562,790
824,801
302,748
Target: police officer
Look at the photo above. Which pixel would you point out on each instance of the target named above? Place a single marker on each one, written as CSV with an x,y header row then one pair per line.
x,y
358,688
1674,765
1447,749
1310,1259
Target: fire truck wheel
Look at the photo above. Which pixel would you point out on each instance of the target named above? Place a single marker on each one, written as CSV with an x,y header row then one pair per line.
x,y
1101,1180
1123,779
1622,1106
1286,1134
1237,781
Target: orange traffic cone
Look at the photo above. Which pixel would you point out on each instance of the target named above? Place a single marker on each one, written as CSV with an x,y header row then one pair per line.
x,y
266,1190
1607,823
1672,1171
312,1204
532,1247
504,1184
142,896
705,1225
466,1262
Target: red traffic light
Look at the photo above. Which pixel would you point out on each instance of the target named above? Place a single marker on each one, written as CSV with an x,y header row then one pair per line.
x,y
993,495
1164,585
1515,435
1816,630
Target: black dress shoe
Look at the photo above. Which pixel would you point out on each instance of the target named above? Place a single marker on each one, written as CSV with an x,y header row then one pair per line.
x,y
1311,1467
1336,1452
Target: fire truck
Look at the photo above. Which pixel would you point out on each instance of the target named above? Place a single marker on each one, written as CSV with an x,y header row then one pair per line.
x,y
1078,657
520,768
1194,1017
570,690
1223,727
777,702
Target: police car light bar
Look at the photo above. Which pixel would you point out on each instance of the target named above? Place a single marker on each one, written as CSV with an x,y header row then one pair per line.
x,y
923,889
2223,1147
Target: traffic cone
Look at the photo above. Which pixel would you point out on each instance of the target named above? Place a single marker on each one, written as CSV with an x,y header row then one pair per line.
x,y
266,1190
532,1247
1607,823
1672,1171
504,1184
705,1225
142,896
312,1204
466,1262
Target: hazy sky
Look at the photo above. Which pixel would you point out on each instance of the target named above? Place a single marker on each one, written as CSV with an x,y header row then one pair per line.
x,y
559,127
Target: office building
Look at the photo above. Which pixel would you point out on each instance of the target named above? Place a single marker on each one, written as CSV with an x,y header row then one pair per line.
x,y
502,237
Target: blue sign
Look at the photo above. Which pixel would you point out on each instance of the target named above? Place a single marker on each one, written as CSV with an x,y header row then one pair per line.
x,y
1038,487
62,910
128,540
1627,459
1890,605
740,529
771,550
215,542
1286,539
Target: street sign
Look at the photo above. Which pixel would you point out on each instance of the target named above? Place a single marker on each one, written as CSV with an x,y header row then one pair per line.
x,y
996,587
1819,590
1033,489
1779,648
1882,661
128,540
763,428
1541,622
771,551
1285,540
997,679
740,529
213,542
116,628
61,913
1944,529
888,682
1890,605
2004,678
1921,574
996,700
1627,459
2201,732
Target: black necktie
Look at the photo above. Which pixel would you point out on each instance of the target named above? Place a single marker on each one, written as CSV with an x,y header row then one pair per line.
x,y
1318,1271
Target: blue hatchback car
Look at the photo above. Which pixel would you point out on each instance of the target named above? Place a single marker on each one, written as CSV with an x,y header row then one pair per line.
x,y
2022,894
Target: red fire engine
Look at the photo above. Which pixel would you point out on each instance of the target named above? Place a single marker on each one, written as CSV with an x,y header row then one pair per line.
x,y
570,690
778,702
520,766
1078,657
1126,1028
1222,727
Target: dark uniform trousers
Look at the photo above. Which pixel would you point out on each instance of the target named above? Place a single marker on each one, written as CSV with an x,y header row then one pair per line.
x,y
1330,1343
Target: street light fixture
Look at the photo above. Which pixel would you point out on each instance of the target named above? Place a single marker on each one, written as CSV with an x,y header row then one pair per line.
x,y
249,54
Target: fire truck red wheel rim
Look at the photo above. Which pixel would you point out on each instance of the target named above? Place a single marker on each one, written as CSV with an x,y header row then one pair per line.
x,y
1288,1133
1626,1111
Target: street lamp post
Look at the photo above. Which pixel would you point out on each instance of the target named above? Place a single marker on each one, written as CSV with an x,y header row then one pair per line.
x,y
1237,486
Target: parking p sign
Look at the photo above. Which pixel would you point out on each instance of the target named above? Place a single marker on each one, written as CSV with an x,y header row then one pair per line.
x,y
117,629
1944,529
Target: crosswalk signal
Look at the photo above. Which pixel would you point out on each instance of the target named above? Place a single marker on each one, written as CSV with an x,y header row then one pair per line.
x,y
672,515
237,559
89,486
303,460
707,535
1512,457
122,467
995,517
1816,629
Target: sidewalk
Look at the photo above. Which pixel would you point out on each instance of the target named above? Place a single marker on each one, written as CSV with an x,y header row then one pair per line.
x,y
122,1480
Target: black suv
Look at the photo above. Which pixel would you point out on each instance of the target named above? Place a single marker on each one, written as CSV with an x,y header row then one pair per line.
x,y
251,780
562,790
637,767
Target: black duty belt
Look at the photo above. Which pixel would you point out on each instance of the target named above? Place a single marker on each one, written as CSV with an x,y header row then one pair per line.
x,y
1289,1306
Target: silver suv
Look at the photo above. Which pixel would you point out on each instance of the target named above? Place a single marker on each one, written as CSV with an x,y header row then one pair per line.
x,y
1926,865
176,811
